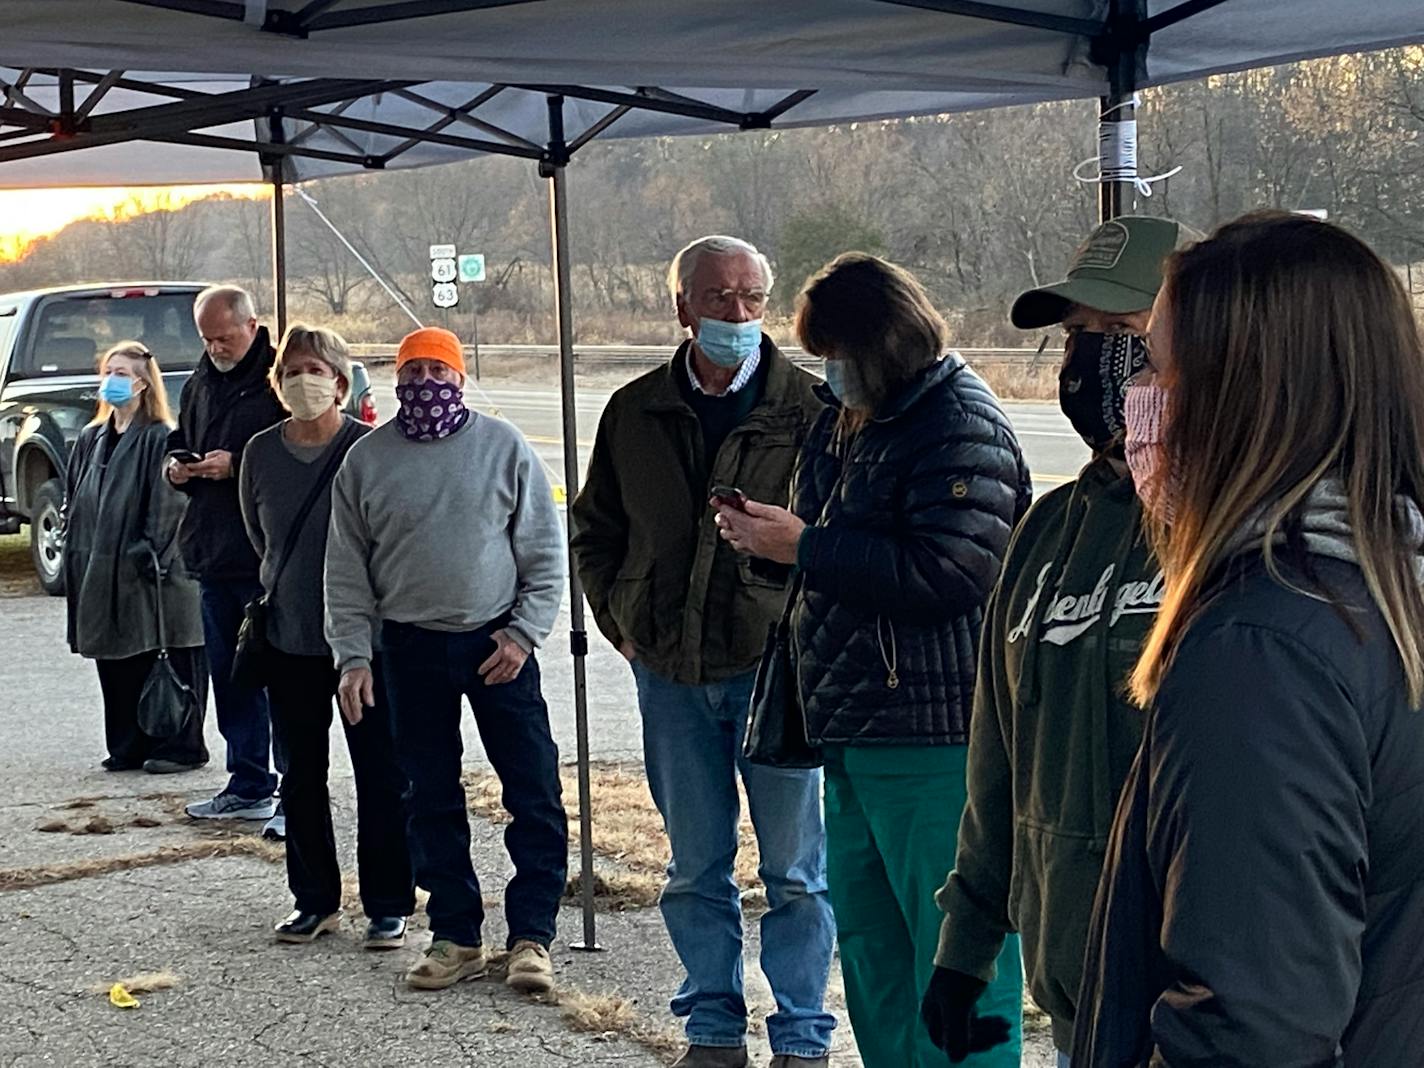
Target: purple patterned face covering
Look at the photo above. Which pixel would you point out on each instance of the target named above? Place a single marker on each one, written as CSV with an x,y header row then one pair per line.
x,y
430,410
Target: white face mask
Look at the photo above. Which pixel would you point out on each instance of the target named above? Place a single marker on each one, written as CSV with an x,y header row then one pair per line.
x,y
309,396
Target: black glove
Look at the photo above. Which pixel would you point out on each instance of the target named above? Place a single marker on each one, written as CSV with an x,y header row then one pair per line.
x,y
954,1026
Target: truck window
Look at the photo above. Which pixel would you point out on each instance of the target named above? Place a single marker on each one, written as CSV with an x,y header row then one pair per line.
x,y
8,318
71,332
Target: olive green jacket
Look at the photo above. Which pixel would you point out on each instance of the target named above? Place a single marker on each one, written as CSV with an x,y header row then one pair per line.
x,y
647,552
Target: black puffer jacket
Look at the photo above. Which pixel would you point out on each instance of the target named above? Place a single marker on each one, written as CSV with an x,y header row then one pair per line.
x,y
223,411
908,520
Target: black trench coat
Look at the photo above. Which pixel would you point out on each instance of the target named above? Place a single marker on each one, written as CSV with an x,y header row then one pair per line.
x,y
116,515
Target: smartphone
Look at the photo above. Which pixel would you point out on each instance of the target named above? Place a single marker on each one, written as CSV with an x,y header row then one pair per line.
x,y
185,456
729,497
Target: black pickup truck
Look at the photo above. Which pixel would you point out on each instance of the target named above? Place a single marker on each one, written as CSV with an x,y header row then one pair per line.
x,y
50,341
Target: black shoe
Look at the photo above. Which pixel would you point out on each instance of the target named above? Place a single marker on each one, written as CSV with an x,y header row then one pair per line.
x,y
385,932
304,927
158,766
115,764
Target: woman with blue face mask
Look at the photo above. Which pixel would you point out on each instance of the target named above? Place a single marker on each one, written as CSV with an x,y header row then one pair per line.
x,y
120,526
902,503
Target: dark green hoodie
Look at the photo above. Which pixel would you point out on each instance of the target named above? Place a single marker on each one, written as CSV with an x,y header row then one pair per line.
x,y
1052,736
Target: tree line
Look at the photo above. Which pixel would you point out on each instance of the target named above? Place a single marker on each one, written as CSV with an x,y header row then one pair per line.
x,y
978,205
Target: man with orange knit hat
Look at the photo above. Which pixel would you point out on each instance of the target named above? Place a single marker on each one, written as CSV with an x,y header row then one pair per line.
x,y
446,548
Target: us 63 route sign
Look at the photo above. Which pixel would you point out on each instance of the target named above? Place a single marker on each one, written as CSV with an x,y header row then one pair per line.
x,y
445,294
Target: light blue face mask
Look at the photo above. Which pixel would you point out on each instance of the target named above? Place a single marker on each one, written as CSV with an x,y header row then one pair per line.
x,y
728,344
845,381
116,390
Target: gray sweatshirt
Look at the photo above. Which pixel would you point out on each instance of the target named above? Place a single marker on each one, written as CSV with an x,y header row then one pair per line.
x,y
273,483
447,534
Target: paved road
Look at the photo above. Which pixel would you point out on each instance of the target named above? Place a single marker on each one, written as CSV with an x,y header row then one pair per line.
x,y
1054,451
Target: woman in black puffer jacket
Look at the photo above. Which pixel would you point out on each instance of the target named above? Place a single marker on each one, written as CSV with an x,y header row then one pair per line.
x,y
904,498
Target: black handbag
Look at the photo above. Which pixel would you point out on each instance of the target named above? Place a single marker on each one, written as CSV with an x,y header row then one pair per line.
x,y
776,724
254,646
166,702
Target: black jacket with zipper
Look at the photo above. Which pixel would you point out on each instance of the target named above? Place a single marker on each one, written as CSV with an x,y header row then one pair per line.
x,y
223,411
654,570
1262,901
908,522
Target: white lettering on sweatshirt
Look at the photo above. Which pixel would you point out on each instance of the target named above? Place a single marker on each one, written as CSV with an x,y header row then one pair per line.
x,y
1069,616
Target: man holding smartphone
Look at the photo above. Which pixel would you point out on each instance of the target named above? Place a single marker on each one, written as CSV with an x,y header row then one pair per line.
x,y
724,417
226,401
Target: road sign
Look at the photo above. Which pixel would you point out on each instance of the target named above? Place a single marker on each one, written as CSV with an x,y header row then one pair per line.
x,y
442,252
472,267
445,294
442,270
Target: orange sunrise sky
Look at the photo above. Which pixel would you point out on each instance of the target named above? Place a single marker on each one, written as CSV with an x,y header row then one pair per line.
x,y
27,214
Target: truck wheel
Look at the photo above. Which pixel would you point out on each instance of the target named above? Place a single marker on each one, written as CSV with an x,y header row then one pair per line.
x,y
46,544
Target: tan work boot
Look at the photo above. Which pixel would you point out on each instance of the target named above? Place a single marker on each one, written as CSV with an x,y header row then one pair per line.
x,y
446,964
530,969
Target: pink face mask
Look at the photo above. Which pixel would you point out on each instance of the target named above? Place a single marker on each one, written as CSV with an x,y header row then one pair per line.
x,y
1144,418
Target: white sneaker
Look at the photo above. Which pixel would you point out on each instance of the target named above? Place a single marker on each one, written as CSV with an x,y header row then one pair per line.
x,y
276,827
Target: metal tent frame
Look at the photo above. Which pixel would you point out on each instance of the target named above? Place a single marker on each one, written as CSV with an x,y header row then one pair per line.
x,y
288,116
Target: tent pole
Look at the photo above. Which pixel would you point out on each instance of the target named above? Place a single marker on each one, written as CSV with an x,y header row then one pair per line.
x,y
276,168
1123,51
279,255
553,168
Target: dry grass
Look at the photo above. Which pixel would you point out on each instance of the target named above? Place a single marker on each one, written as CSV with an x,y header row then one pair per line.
x,y
49,874
612,1016
1014,381
626,830
17,573
143,983
597,1014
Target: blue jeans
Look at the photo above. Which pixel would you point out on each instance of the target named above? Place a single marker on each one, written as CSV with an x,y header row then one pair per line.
x,y
692,748
243,718
427,672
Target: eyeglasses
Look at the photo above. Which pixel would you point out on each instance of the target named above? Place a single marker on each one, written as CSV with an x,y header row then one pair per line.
x,y
721,300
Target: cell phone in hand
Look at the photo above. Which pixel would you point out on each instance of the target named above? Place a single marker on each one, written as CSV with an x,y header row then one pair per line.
x,y
185,456
729,497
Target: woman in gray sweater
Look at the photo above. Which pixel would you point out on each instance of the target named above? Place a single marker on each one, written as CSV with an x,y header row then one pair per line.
x,y
285,489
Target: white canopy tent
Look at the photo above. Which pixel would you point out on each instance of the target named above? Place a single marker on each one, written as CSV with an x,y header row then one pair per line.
x,y
240,89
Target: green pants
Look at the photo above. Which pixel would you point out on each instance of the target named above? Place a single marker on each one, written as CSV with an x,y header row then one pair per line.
x,y
892,822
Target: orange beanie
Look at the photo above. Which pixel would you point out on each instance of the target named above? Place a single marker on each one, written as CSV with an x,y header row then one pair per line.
x,y
431,343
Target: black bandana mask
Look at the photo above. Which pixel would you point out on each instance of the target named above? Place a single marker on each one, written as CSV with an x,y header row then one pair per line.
x,y
1093,383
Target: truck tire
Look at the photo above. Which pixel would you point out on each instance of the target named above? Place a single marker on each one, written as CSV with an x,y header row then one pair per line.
x,y
46,545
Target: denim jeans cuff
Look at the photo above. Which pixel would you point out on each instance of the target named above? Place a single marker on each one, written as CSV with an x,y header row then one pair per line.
x,y
460,938
809,1052
716,1043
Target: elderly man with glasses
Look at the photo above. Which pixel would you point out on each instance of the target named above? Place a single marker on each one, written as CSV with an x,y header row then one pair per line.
x,y
726,413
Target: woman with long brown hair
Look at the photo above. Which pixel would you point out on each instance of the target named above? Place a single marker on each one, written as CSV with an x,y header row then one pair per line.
x,y
1263,899
903,500
120,547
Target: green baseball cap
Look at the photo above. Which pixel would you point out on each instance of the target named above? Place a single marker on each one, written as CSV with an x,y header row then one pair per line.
x,y
1118,269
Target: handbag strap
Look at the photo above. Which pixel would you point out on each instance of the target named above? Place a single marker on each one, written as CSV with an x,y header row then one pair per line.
x,y
158,585
328,471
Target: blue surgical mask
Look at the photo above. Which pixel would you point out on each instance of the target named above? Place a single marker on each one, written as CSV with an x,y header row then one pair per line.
x,y
728,344
116,390
845,381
